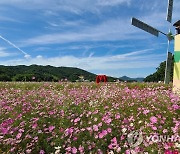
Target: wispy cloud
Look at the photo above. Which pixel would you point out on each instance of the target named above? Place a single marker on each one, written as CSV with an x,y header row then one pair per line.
x,y
134,59
115,29
71,25
4,53
81,46
68,5
9,19
113,2
111,30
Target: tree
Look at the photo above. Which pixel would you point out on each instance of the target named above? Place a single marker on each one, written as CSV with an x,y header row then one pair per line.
x,y
160,73
4,77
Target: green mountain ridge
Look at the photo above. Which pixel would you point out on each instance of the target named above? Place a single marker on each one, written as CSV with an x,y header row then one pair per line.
x,y
44,73
51,73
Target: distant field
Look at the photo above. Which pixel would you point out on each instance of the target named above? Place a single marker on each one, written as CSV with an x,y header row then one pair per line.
x,y
88,118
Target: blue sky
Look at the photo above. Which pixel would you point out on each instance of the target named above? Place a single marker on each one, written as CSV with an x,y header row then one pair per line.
x,y
94,35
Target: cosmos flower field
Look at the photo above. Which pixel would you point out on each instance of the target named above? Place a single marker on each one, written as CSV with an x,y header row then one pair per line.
x,y
81,118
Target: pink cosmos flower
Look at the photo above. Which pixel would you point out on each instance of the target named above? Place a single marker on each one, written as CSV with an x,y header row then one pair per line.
x,y
36,138
21,130
69,131
99,151
127,152
34,125
109,130
175,107
165,131
81,149
89,129
166,146
154,127
74,150
95,128
4,131
76,120
61,129
122,137
101,135
89,147
153,119
75,138
145,112
110,146
114,140
108,121
35,119
12,149
18,136
104,132
68,149
41,152
117,116
28,151
100,124
51,128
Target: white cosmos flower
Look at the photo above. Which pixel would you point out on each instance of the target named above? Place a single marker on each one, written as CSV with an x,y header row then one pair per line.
x,y
131,124
111,152
124,130
177,145
57,152
57,148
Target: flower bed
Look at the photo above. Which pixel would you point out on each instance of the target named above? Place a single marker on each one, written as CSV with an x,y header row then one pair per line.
x,y
88,118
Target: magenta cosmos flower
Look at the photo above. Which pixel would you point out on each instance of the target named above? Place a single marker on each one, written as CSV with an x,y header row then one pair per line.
x,y
153,119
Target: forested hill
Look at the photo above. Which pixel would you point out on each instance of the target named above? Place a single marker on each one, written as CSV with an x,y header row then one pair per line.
x,y
51,73
44,73
160,73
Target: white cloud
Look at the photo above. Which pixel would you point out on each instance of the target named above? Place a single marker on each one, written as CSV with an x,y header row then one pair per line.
x,y
4,53
60,24
67,5
27,56
111,30
176,11
87,47
136,59
114,29
112,2
4,18
39,57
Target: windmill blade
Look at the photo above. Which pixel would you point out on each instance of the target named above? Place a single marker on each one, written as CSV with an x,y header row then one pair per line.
x,y
137,23
169,11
